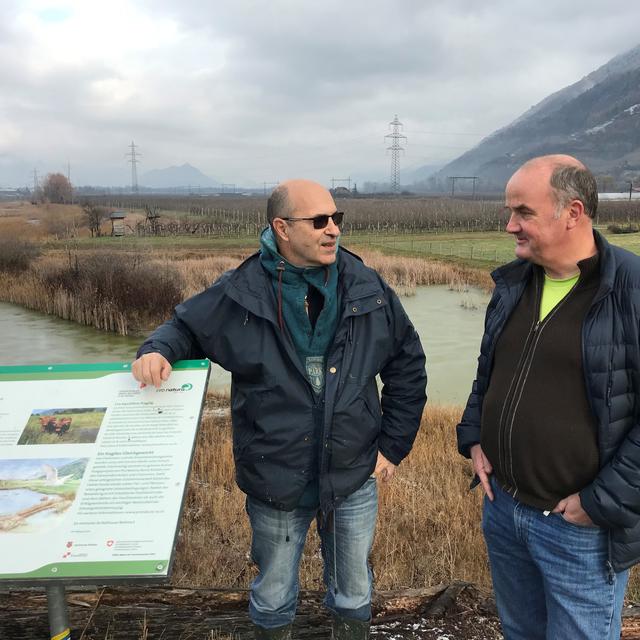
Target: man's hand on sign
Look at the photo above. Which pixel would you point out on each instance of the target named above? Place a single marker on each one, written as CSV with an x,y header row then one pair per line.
x,y
151,368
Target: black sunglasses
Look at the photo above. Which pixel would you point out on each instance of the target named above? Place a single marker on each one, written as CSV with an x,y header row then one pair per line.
x,y
321,221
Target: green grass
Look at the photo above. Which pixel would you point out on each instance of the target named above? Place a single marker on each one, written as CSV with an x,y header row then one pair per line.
x,y
69,488
478,249
484,250
134,243
630,241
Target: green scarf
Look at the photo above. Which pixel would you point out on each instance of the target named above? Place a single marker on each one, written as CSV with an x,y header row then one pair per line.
x,y
310,343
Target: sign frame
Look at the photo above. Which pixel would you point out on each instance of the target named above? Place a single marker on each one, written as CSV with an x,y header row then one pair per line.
x,y
113,576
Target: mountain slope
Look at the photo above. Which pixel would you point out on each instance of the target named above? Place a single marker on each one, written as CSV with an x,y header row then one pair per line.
x,y
177,177
596,119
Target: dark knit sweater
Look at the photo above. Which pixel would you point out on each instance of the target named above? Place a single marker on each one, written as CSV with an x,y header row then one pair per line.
x,y
538,430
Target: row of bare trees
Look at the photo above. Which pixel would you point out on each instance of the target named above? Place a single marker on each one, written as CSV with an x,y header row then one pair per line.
x,y
165,216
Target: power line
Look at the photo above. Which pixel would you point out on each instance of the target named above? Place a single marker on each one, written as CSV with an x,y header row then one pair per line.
x,y
270,186
448,133
453,183
133,159
396,139
35,184
347,180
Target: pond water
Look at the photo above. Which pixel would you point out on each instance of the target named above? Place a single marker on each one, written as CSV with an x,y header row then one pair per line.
x,y
12,500
449,323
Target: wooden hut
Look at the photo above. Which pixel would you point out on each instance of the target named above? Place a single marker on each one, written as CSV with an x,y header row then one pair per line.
x,y
117,223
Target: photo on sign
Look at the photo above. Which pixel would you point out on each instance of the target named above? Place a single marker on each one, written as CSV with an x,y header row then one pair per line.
x,y
63,426
36,493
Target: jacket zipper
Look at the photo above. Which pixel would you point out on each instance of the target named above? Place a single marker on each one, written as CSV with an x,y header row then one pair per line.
x,y
523,376
513,385
507,405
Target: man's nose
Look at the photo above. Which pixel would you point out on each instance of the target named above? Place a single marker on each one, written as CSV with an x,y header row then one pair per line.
x,y
332,228
512,225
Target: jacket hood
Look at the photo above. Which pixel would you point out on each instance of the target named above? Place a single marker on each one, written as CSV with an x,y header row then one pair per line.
x,y
246,284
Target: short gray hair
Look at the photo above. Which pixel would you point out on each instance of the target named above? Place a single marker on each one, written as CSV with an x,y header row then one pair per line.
x,y
278,204
571,182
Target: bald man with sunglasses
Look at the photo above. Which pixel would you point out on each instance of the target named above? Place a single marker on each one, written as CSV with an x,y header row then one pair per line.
x,y
305,327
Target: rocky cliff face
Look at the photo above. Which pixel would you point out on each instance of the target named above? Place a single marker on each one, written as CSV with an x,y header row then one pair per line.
x,y
596,119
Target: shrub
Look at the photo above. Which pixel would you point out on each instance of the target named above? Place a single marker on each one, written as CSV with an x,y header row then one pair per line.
x,y
121,294
17,255
623,228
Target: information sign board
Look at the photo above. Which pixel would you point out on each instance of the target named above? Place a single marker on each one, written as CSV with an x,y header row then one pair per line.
x,y
93,470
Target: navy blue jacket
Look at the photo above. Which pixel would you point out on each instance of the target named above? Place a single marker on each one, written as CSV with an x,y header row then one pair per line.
x,y
611,367
283,432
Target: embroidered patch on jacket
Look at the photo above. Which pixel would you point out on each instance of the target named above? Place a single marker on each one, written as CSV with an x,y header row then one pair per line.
x,y
315,372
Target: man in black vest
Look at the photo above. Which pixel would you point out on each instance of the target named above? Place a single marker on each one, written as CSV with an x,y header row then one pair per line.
x,y
551,423
305,328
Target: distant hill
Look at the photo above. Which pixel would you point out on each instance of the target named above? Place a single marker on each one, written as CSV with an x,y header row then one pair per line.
x,y
182,176
410,176
596,119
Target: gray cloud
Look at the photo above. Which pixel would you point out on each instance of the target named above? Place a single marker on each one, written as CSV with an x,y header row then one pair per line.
x,y
251,91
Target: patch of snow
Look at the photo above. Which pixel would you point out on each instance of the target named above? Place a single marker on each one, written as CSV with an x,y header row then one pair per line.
x,y
390,625
619,196
599,127
631,110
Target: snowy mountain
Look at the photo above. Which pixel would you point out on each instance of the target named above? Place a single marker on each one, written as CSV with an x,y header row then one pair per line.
x,y
596,119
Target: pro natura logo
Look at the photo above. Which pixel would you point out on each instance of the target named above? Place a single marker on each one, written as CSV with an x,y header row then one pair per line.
x,y
187,386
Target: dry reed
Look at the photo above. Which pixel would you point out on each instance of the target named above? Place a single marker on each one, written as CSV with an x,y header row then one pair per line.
x,y
428,526
199,273
125,294
402,273
405,274
120,295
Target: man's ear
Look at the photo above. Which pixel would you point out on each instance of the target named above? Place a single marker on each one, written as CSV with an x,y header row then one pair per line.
x,y
280,229
576,212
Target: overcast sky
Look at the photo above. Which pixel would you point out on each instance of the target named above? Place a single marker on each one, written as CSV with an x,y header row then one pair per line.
x,y
254,91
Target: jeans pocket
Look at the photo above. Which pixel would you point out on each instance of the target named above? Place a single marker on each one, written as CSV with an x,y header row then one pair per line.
x,y
588,529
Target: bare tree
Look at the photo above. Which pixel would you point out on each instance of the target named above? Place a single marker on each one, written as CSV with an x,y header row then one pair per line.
x,y
95,215
57,188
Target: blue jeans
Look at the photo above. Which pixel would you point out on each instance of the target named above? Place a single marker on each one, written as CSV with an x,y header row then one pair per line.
x,y
550,577
276,548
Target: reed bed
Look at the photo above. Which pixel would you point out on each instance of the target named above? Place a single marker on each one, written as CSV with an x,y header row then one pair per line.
x,y
404,274
130,293
199,273
119,293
